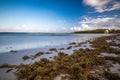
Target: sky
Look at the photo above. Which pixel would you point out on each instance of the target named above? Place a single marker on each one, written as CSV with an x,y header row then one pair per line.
x,y
58,15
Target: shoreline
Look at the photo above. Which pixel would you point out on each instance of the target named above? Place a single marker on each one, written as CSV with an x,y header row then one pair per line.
x,y
65,55
15,57
22,44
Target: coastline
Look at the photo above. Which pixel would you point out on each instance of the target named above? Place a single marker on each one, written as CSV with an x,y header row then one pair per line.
x,y
86,45
16,55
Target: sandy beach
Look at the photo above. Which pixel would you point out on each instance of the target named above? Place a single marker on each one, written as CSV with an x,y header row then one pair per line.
x,y
59,39
11,61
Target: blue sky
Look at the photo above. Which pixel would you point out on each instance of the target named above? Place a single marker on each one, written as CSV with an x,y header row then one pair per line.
x,y
58,15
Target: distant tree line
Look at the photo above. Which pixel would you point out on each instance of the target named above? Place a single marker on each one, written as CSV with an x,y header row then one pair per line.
x,y
98,31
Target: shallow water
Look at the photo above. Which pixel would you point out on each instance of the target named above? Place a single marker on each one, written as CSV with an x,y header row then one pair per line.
x,y
22,41
36,43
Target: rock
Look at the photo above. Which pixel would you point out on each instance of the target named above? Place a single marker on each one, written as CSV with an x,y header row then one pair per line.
x,y
13,51
9,70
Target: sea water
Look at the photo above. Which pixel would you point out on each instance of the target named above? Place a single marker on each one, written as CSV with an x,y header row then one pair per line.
x,y
22,41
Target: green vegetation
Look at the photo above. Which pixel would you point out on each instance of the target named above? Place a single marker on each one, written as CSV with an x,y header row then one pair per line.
x,y
98,31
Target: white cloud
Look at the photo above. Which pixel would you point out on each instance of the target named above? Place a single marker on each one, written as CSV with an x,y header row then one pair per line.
x,y
115,6
103,5
82,27
89,23
96,3
90,20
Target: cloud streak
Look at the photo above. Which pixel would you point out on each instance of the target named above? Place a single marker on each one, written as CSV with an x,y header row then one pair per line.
x,y
103,5
89,23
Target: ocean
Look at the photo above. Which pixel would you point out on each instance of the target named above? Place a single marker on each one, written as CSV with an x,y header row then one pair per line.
x,y
23,41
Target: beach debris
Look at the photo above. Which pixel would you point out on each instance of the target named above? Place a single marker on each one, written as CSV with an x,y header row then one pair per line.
x,y
50,57
38,54
9,70
53,49
61,48
25,57
83,64
116,59
73,43
7,66
76,46
81,43
69,47
13,51
111,76
118,69
48,52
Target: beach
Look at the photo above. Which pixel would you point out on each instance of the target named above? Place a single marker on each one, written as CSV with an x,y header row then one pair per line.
x,y
13,48
105,47
59,39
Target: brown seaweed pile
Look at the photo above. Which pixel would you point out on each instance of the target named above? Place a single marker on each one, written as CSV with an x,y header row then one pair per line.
x,y
83,64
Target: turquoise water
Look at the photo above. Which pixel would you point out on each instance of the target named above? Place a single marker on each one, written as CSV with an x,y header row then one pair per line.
x,y
22,41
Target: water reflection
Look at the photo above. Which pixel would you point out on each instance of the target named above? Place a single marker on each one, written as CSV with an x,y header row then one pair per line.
x,y
29,41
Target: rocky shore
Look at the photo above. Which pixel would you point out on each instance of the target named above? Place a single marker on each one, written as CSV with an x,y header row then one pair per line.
x,y
97,59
